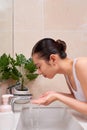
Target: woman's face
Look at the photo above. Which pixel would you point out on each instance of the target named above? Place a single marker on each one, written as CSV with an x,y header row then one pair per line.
x,y
46,68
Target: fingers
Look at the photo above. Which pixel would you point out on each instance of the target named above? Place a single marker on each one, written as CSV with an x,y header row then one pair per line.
x,y
41,101
38,101
45,99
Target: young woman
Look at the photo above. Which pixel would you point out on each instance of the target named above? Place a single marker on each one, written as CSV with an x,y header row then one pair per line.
x,y
50,58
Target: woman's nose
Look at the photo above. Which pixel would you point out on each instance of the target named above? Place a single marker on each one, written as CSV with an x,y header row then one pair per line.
x,y
39,72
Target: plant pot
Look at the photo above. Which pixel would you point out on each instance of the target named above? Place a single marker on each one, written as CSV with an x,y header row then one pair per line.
x,y
21,96
20,92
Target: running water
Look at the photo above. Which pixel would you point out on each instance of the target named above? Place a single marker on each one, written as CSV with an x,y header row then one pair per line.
x,y
29,118
34,112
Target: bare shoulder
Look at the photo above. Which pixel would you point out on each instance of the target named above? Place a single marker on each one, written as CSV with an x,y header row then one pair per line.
x,y
81,68
81,72
81,63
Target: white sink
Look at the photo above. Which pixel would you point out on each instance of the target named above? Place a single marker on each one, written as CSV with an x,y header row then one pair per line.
x,y
42,118
6,120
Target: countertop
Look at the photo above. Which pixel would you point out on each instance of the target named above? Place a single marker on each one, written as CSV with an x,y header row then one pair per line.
x,y
82,119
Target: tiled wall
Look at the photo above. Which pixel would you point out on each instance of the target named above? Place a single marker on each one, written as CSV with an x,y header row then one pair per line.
x,y
59,19
5,34
6,26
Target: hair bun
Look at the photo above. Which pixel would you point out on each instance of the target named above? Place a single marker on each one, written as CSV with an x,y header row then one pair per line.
x,y
61,45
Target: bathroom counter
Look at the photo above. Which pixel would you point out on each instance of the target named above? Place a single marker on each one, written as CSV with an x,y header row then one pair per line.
x,y
82,119
47,113
84,125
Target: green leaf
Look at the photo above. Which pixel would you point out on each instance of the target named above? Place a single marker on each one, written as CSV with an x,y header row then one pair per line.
x,y
30,66
4,61
31,76
6,74
12,61
15,74
20,59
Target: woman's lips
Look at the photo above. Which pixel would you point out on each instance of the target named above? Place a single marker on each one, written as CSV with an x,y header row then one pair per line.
x,y
45,76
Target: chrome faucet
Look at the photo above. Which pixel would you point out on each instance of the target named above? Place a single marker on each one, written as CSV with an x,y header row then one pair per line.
x,y
20,99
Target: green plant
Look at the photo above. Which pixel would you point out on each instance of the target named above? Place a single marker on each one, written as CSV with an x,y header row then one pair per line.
x,y
19,69
8,69
26,68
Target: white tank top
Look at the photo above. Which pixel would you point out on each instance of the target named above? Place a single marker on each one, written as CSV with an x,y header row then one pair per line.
x,y
79,92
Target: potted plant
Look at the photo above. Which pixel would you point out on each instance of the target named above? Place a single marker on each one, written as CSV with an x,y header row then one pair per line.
x,y
19,69
27,70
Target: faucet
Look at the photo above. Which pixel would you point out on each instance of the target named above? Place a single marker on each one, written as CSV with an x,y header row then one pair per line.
x,y
20,99
10,88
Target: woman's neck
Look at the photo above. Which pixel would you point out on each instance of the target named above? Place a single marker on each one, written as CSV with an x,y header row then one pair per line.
x,y
66,66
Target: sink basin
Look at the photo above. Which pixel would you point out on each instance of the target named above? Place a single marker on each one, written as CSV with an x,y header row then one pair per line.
x,y
44,118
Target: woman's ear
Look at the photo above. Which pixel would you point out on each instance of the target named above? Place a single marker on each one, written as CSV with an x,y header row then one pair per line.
x,y
53,59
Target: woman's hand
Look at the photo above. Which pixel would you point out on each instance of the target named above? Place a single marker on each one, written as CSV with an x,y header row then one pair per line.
x,y
46,98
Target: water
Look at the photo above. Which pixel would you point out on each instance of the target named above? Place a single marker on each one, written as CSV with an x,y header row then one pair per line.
x,y
29,118
34,117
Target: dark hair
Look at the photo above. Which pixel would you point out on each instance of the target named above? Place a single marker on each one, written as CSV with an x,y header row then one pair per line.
x,y
47,46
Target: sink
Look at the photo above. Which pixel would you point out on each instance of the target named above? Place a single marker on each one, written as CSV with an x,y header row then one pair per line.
x,y
45,118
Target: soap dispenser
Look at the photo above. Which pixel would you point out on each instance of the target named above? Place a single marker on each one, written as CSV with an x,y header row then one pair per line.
x,y
5,107
6,114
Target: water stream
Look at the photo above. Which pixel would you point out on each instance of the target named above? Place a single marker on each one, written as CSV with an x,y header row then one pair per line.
x,y
34,117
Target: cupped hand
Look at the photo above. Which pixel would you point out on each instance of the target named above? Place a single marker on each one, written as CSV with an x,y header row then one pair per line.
x,y
46,98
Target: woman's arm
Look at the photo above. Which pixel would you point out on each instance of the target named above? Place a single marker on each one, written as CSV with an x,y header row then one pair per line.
x,y
67,94
69,100
73,103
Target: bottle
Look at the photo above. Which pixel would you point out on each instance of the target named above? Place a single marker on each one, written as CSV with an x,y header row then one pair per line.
x,y
6,114
6,107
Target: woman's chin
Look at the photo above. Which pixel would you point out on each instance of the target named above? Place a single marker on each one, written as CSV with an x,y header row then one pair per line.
x,y
50,77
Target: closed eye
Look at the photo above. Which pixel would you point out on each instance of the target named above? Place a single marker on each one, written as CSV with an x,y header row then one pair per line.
x,y
38,67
